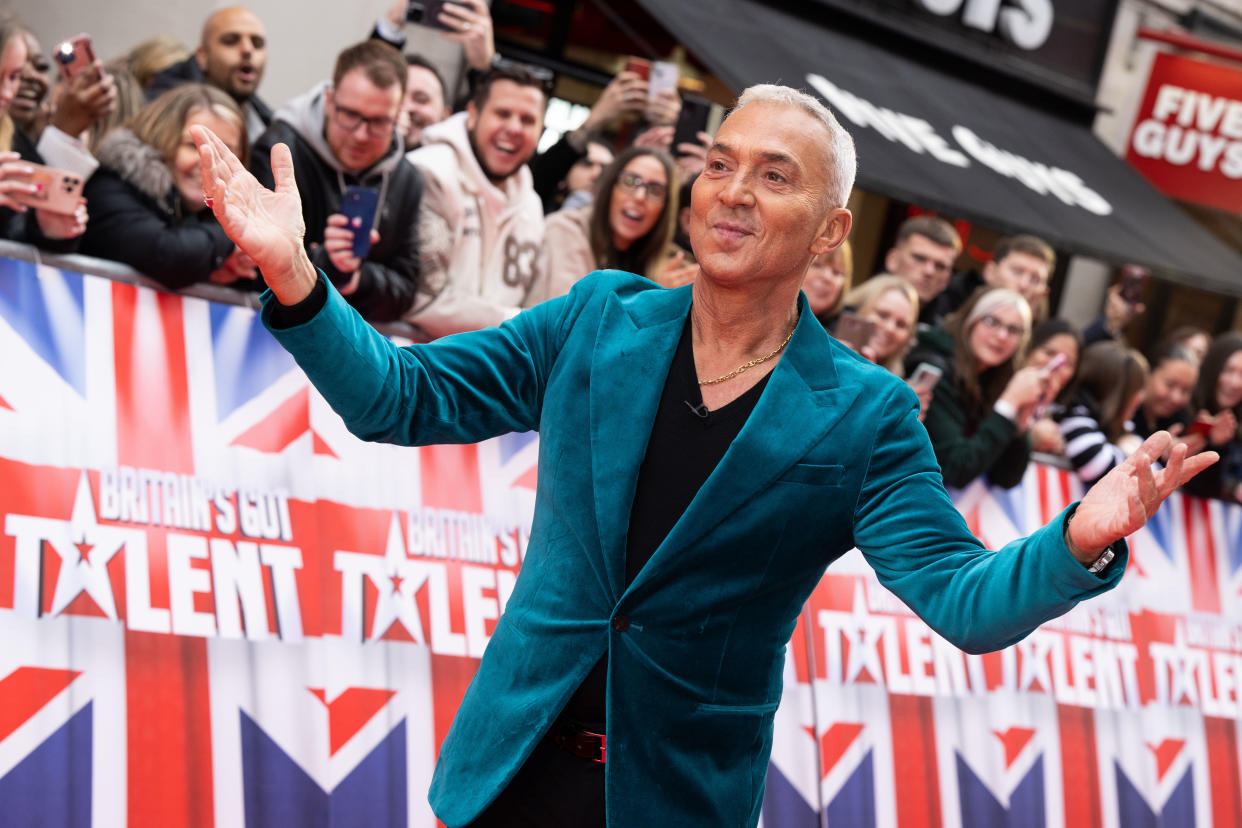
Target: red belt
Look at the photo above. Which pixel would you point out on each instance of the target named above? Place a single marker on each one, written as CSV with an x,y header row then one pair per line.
x,y
585,744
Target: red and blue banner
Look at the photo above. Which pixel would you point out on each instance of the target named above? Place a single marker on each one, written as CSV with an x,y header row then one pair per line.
x,y
219,608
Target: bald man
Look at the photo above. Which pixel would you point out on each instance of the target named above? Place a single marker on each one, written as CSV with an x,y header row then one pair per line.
x,y
231,55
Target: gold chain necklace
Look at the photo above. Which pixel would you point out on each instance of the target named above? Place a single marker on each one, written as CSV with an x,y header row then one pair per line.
x,y
758,361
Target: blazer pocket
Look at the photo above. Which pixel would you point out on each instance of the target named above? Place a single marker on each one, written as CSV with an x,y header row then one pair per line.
x,y
813,474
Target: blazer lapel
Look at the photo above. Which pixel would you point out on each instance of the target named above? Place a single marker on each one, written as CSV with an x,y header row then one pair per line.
x,y
634,348
801,402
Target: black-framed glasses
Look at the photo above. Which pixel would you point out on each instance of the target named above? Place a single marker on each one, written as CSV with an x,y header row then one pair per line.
x,y
634,183
350,119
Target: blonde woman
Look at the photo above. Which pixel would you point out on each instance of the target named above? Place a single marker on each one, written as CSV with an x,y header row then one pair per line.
x,y
147,196
893,306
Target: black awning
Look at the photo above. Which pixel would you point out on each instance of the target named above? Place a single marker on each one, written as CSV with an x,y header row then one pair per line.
x,y
935,139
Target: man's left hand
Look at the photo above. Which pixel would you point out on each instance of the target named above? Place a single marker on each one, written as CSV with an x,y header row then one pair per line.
x,y
1125,498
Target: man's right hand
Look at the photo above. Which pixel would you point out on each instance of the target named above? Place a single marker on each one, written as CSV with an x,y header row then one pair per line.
x,y
88,98
266,224
14,181
1024,391
626,93
338,243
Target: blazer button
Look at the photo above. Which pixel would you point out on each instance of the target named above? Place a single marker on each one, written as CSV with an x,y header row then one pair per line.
x,y
621,623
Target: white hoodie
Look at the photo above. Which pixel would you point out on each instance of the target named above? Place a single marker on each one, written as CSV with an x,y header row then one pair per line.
x,y
479,242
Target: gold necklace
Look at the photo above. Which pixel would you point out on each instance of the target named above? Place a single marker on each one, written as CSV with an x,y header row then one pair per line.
x,y
739,369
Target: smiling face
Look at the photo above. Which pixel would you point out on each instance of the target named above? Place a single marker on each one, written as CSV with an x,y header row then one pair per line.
x,y
894,320
36,79
1059,344
423,104
758,211
1229,384
505,131
634,208
1169,388
12,60
994,337
186,169
233,53
824,281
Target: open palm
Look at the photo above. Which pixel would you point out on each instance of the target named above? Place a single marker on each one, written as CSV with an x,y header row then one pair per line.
x,y
266,224
1125,498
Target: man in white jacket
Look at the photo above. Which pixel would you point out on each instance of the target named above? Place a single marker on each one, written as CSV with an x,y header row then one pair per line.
x,y
480,224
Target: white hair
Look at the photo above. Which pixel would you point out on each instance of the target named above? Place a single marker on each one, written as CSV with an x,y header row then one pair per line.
x,y
843,163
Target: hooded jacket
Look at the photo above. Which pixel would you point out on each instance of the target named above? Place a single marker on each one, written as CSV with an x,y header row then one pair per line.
x,y
258,114
137,217
567,254
481,241
390,271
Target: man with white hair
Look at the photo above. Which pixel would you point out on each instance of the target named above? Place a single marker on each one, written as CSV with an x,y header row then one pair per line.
x,y
705,452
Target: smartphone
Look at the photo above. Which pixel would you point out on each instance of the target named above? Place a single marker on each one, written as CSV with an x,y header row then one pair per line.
x,y
925,376
1053,364
358,205
1132,281
663,76
692,120
854,330
427,13
74,56
638,66
59,191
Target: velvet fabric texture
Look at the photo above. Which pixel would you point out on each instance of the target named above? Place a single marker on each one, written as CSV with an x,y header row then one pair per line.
x,y
832,456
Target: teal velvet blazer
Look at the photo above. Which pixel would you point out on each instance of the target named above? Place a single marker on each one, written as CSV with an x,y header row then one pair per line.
x,y
833,456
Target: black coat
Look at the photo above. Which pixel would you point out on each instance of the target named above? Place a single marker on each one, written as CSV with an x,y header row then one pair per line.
x,y
137,218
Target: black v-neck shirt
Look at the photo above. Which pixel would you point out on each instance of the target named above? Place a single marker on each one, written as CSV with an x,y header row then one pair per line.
x,y
687,443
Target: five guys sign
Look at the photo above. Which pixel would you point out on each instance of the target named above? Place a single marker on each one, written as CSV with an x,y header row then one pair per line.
x,y
1187,138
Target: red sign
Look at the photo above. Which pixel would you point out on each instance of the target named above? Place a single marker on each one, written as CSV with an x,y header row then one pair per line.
x,y
1187,138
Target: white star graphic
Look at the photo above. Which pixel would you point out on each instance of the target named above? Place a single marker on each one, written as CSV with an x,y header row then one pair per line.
x,y
864,638
84,569
398,580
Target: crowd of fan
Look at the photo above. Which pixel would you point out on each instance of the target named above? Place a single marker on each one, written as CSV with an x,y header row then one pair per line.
x,y
470,224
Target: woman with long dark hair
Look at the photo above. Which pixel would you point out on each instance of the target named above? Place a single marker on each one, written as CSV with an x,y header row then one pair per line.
x,y
627,226
1054,349
983,405
1219,393
1106,395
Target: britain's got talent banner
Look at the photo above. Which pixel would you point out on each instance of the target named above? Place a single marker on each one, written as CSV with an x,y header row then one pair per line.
x,y
217,607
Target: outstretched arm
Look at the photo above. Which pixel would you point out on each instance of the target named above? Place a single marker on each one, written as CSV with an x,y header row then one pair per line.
x,y
1125,498
266,224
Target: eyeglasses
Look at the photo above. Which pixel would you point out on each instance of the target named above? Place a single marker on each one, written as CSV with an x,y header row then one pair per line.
x,y
633,183
1016,331
350,119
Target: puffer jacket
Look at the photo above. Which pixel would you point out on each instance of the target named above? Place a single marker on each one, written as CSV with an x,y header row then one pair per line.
x,y
137,217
